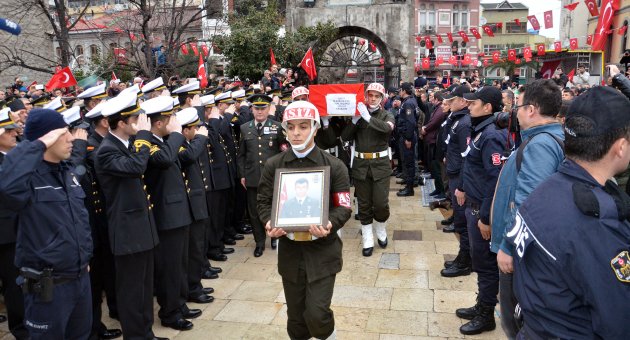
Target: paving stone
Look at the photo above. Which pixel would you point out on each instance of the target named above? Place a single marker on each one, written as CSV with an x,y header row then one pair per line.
x,y
409,235
389,261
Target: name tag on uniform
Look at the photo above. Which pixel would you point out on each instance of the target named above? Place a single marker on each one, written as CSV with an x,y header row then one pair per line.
x,y
266,130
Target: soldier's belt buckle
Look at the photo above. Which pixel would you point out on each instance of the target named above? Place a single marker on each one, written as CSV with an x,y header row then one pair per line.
x,y
368,156
302,236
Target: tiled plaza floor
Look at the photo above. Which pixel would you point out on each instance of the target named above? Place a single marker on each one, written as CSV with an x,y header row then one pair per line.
x,y
397,293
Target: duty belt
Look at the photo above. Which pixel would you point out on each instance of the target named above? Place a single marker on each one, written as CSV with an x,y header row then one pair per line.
x,y
371,155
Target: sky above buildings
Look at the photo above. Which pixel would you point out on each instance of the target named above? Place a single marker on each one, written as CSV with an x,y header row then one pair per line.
x,y
538,7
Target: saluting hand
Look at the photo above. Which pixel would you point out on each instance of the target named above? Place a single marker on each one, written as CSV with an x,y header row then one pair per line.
x,y
80,134
51,137
202,131
274,232
196,101
320,231
143,123
2,130
214,113
173,125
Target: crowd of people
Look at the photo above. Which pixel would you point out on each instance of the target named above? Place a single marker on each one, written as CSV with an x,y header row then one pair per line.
x,y
128,191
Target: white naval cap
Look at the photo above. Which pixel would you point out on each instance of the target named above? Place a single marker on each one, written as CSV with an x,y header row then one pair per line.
x,y
162,105
156,84
55,104
188,117
190,88
72,117
238,95
6,122
225,97
207,101
126,104
135,89
175,103
96,111
94,92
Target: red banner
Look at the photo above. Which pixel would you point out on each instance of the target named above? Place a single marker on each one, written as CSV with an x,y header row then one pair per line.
x,y
475,32
308,64
548,68
548,19
427,42
527,52
439,38
592,7
450,37
557,46
488,31
426,63
120,54
535,24
541,49
512,55
463,35
495,57
573,43
607,11
339,96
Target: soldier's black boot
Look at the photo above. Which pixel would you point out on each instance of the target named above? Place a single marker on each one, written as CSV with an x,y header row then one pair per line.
x,y
468,313
407,191
482,322
459,267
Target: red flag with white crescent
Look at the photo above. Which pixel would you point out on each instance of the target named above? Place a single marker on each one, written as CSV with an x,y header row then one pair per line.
x,y
475,32
63,78
527,52
201,73
534,21
622,30
205,49
572,6
548,19
557,46
573,43
495,57
548,68
488,31
467,59
592,7
308,64
426,63
512,55
463,35
589,39
195,50
427,42
541,49
452,60
485,62
184,49
439,38
607,11
450,37
439,61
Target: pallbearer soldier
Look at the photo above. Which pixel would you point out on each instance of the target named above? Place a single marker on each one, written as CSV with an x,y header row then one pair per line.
x,y
261,138
92,96
189,156
308,261
120,167
371,167
166,185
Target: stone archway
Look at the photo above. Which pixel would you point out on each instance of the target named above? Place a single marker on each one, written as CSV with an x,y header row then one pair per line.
x,y
357,56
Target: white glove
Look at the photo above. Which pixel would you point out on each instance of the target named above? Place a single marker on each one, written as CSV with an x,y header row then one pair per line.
x,y
325,121
355,119
364,112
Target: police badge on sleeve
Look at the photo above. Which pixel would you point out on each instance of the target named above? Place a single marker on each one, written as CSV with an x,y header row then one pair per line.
x,y
621,266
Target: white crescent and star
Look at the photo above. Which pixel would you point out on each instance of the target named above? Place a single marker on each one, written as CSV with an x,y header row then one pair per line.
x,y
67,77
306,62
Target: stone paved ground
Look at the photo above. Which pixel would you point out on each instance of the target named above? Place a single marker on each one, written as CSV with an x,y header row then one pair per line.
x,y
397,293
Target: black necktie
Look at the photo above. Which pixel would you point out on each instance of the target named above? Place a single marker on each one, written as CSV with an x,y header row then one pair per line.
x,y
130,147
259,127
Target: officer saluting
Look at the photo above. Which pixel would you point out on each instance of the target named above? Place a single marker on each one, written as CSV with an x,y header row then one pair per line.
x,y
308,261
43,188
120,167
261,138
371,167
92,96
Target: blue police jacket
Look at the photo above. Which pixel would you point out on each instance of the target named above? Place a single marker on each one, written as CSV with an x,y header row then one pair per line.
x,y
541,158
457,141
407,120
571,270
53,227
483,165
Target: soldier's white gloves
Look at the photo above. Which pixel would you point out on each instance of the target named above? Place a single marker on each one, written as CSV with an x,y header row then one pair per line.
x,y
355,119
325,121
364,112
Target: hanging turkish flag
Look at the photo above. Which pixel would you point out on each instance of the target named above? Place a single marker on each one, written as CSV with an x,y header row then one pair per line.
x,y
592,7
572,6
488,31
201,73
273,57
622,30
541,49
517,21
535,24
463,35
372,46
205,49
439,38
308,64
475,32
557,46
439,61
114,76
548,68
426,63
184,49
427,42
195,50
512,55
453,60
570,75
573,43
548,19
63,78
418,38
467,59
120,55
500,24
517,61
481,54
485,62
450,37
607,11
589,39
527,52
495,57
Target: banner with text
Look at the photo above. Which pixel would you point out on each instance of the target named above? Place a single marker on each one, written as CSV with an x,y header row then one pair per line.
x,y
337,99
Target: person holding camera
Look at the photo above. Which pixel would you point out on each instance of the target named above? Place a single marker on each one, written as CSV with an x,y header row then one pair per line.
x,y
581,76
540,156
54,243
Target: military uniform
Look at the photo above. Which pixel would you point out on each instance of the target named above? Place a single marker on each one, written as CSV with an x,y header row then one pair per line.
x,y
259,142
309,265
300,208
407,129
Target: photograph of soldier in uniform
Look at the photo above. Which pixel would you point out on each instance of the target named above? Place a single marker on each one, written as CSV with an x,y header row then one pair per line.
x,y
300,199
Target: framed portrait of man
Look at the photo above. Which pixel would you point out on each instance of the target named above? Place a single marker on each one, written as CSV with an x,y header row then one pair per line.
x,y
300,198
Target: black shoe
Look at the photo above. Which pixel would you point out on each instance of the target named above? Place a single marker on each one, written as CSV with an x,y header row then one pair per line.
x,y
356,217
382,244
110,334
468,313
449,229
258,251
226,251
400,181
217,257
455,270
483,322
158,338
229,242
274,243
367,252
180,325
3,318
399,175
448,221
192,313
201,298
435,192
209,275
440,197
215,269
408,191
244,230
113,315
207,290
238,237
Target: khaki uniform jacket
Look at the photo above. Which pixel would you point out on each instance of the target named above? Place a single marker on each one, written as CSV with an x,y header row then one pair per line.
x,y
371,137
321,257
255,149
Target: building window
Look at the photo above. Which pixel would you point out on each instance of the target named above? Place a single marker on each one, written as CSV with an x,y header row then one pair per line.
x,y
426,19
94,50
58,52
512,27
460,18
494,28
78,54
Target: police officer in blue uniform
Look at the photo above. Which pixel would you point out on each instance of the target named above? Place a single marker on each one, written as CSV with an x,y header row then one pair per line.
x,y
406,124
54,243
479,178
572,234
457,138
